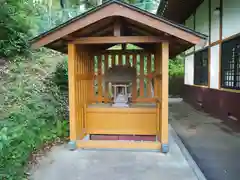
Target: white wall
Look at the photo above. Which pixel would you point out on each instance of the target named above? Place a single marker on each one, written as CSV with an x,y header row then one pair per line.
x,y
190,24
202,20
215,21
214,67
231,26
231,17
189,70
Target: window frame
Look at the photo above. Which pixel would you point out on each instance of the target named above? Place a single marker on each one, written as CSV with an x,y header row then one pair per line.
x,y
230,64
201,67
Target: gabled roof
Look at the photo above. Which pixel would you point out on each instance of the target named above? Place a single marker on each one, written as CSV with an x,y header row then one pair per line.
x,y
134,21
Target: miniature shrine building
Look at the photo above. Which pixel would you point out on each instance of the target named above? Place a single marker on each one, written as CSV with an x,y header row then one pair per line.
x,y
118,74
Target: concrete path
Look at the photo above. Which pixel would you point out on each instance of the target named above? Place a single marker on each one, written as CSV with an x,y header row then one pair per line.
x,y
62,164
214,144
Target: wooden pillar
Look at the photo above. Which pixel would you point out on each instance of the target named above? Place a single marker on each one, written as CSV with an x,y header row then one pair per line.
x,y
100,93
120,59
134,85
149,80
91,82
164,95
141,75
106,64
157,69
72,91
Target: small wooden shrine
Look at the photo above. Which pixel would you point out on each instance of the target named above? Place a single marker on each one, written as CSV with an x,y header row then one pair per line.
x,y
117,93
121,78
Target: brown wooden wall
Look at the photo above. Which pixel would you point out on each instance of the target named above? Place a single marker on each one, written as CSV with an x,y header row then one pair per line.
x,y
80,80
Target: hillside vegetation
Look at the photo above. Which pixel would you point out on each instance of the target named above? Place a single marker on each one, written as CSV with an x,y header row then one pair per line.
x,y
33,110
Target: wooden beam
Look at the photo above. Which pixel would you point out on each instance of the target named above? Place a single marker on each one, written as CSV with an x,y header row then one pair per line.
x,y
120,39
164,92
118,144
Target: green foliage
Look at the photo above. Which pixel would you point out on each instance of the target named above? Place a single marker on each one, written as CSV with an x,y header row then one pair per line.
x,y
15,23
21,20
60,79
176,67
49,14
32,113
176,76
60,76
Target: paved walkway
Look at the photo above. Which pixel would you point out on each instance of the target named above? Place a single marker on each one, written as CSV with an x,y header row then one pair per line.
x,y
62,164
214,144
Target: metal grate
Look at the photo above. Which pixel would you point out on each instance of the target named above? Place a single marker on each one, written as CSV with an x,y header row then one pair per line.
x,y
230,76
201,67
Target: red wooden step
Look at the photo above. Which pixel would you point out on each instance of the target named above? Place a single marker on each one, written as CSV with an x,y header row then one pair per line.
x,y
124,137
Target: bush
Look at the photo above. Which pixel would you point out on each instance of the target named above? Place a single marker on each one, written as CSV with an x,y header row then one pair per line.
x,y
14,26
60,79
176,68
32,113
176,77
60,76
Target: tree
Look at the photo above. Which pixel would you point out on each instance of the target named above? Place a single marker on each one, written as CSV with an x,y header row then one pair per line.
x,y
15,17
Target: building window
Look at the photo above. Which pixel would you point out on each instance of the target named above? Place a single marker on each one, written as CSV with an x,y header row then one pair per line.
x,y
201,67
230,64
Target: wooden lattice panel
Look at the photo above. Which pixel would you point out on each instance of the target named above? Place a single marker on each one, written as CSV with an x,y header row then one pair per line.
x,y
142,89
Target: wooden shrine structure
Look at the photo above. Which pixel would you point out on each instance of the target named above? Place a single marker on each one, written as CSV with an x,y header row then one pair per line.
x,y
87,40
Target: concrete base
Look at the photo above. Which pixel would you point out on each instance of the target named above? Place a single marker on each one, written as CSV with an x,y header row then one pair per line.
x,y
164,148
72,145
62,164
